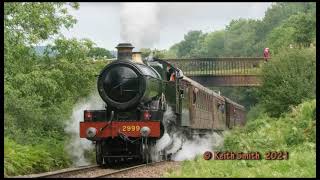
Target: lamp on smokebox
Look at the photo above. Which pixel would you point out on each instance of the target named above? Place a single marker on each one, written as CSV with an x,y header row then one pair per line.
x,y
146,115
88,116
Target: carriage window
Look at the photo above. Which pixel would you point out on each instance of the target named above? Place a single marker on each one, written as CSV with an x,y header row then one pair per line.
x,y
181,93
201,100
207,102
221,107
194,94
194,97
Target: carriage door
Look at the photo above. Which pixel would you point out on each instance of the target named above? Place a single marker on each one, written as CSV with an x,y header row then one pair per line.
x,y
184,104
178,98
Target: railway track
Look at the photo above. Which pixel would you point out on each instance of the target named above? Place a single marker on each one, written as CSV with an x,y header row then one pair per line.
x,y
93,171
125,170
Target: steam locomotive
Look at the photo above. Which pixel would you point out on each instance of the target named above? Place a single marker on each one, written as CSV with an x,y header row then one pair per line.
x,y
137,93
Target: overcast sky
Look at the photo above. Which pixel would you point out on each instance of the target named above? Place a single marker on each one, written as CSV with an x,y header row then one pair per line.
x,y
101,22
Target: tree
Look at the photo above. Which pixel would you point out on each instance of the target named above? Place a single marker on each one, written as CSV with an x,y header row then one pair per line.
x,y
304,28
279,12
280,38
26,24
146,52
298,30
287,80
40,91
214,44
70,49
99,53
240,38
173,51
191,41
32,22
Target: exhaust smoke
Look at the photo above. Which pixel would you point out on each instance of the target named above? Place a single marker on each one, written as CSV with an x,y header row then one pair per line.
x,y
140,24
77,147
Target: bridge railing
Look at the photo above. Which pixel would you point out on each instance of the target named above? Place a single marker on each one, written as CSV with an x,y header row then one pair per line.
x,y
218,66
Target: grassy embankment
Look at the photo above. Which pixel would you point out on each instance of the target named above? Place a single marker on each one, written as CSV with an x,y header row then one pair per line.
x,y
293,132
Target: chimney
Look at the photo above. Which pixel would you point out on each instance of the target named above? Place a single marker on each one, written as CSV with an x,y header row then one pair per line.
x,y
125,51
136,57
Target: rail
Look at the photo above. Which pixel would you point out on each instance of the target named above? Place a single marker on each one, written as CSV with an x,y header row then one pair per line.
x,y
86,171
218,66
128,169
61,172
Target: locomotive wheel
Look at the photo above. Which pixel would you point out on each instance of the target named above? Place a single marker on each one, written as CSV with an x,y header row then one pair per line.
x,y
99,158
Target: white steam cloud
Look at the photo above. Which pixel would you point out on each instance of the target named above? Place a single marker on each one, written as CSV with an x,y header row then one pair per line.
x,y
77,146
197,146
181,148
140,24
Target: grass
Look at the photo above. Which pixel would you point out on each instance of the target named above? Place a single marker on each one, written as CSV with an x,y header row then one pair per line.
x,y
27,159
300,164
293,132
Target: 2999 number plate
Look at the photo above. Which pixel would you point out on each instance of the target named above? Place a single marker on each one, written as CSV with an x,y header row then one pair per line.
x,y
130,128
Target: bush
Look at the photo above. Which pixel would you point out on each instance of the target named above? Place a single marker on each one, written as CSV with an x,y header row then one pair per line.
x,y
288,79
265,133
35,113
255,112
27,159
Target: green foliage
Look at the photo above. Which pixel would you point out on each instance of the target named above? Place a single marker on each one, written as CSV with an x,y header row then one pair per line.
x,y
241,38
280,12
246,96
172,52
288,79
192,40
266,133
44,96
299,31
283,24
27,159
40,91
98,52
255,112
295,133
301,164
146,52
32,22
70,49
214,44
304,26
280,39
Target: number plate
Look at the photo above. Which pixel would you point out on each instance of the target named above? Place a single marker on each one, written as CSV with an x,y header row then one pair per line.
x,y
130,128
